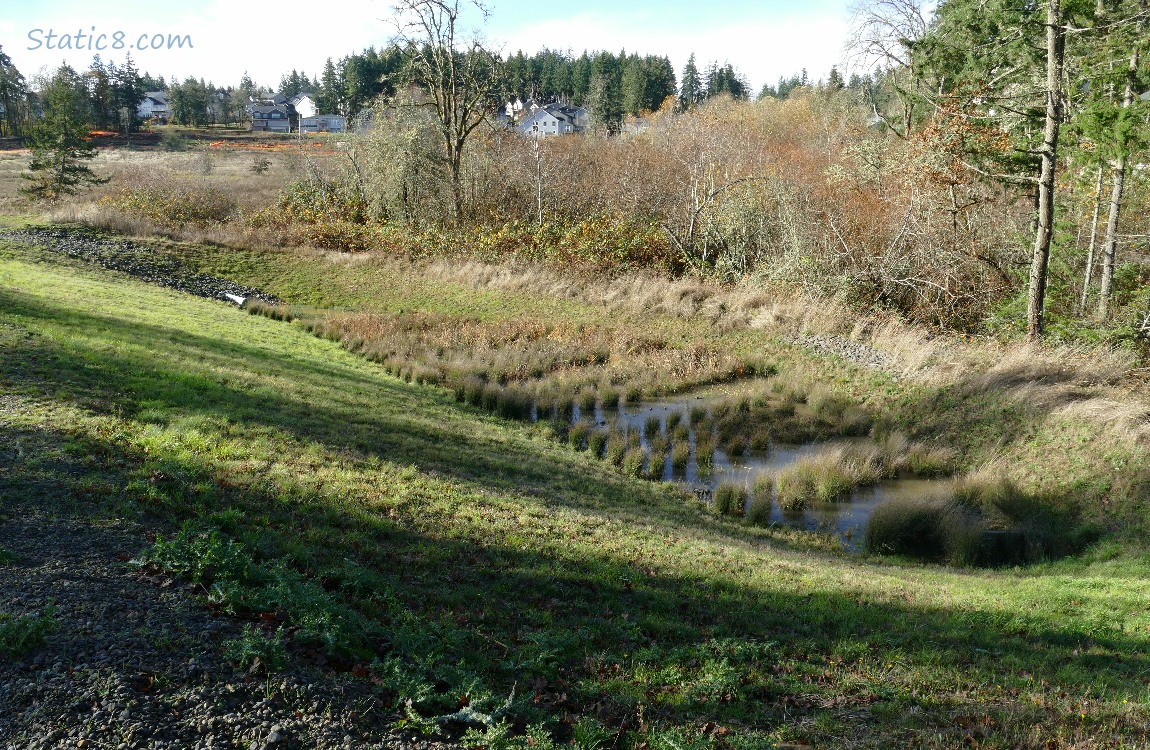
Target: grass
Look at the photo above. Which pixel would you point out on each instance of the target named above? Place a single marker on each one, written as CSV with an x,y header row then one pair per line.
x,y
436,544
20,635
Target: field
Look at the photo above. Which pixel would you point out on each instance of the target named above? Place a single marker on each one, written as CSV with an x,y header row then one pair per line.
x,y
486,582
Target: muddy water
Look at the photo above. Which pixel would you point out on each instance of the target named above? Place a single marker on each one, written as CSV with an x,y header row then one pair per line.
x,y
845,519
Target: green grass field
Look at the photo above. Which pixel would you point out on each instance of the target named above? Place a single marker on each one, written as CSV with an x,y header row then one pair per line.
x,y
458,560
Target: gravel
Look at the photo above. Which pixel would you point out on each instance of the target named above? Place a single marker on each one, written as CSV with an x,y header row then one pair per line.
x,y
134,259
136,661
846,349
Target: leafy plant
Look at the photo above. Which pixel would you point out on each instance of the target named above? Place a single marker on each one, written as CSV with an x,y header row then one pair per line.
x,y
20,635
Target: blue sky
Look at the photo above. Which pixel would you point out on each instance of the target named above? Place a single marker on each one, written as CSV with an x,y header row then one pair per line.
x,y
764,40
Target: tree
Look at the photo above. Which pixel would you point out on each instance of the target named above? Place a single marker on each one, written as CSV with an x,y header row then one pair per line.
x,y
1123,134
13,97
462,83
59,141
691,91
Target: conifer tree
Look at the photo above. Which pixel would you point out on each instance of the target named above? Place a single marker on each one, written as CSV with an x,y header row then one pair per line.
x,y
691,91
59,141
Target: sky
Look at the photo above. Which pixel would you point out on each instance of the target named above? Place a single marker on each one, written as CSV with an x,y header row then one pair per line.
x,y
221,39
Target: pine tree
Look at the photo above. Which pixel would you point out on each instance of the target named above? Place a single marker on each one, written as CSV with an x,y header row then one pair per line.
x,y
59,141
13,97
691,90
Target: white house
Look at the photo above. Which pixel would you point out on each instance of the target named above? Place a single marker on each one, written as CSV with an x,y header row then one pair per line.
x,y
154,105
323,124
304,105
554,119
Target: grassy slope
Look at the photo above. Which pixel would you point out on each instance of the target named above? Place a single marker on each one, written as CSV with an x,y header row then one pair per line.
x,y
495,557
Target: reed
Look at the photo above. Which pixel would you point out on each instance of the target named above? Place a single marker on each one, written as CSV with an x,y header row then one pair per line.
x,y
759,510
729,499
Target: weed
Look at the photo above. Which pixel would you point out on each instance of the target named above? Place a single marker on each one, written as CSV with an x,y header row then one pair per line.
x,y
6,557
257,651
20,635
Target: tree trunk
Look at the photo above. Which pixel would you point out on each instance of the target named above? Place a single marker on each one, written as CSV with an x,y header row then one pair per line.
x,y
1093,241
1121,164
1055,51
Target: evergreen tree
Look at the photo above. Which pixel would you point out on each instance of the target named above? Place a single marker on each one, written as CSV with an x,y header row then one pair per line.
x,y
127,93
59,140
13,97
691,90
330,96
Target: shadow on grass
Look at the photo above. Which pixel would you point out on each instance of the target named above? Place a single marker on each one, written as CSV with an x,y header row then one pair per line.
x,y
183,373
590,632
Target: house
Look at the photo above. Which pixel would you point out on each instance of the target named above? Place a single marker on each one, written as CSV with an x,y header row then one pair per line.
x,y
554,119
304,104
154,106
323,124
273,118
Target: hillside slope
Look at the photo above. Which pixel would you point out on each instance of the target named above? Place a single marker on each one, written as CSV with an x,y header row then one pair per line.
x,y
423,562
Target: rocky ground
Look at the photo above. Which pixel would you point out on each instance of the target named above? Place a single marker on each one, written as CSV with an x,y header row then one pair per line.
x,y
847,349
135,259
136,659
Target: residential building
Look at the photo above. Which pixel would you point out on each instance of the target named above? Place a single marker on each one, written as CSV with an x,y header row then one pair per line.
x,y
323,124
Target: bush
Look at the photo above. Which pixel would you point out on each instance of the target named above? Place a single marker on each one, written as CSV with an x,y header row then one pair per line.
x,y
174,203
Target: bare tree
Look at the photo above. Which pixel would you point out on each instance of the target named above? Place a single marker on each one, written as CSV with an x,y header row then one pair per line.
x,y
460,75
882,34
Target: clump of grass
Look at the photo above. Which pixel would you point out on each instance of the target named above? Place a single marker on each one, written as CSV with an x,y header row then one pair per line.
x,y
674,419
652,426
610,396
682,431
704,453
596,441
797,486
587,399
698,414
761,441
905,527
930,461
680,454
19,635
735,446
578,435
729,499
564,406
759,510
512,403
490,397
616,447
633,461
633,394
657,461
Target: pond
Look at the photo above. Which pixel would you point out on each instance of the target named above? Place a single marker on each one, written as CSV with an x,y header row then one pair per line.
x,y
844,518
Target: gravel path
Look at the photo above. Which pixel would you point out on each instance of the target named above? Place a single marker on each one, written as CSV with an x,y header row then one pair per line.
x,y
844,348
136,661
132,258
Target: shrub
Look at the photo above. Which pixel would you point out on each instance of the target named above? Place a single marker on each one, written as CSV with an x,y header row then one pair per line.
x,y
174,203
